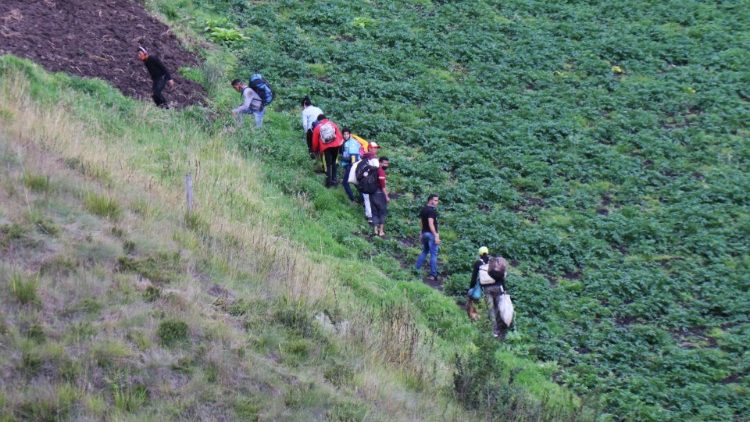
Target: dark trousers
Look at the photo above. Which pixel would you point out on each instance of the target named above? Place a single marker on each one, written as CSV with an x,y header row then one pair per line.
x,y
345,182
379,207
308,137
156,90
330,156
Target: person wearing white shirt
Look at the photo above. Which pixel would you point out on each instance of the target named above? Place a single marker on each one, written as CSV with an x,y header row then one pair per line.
x,y
310,115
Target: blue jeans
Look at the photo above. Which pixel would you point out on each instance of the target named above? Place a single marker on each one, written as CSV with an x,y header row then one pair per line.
x,y
429,246
258,116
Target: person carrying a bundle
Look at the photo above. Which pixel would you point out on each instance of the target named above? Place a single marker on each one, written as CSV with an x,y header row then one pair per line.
x,y
366,180
251,103
327,140
310,115
489,274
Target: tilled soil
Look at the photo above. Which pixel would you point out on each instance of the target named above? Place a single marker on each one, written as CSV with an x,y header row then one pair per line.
x,y
97,38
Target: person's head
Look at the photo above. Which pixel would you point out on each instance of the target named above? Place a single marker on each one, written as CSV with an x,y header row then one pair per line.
x,y
385,163
347,133
484,251
306,101
373,147
433,200
321,117
237,85
142,53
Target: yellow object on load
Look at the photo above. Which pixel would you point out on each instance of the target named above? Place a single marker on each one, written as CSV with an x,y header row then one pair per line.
x,y
362,141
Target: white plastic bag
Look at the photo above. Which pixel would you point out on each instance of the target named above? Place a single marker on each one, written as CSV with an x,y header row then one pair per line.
x,y
506,309
353,173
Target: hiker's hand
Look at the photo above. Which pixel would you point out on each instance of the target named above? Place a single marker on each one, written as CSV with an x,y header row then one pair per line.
x,y
387,198
437,239
170,83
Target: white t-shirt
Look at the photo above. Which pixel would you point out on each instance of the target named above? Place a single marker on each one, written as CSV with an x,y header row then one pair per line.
x,y
309,115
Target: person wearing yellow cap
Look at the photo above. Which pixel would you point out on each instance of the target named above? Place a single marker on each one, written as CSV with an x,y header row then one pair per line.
x,y
489,274
484,258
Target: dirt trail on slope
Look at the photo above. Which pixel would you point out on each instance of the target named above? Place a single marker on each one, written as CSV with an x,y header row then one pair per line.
x,y
97,39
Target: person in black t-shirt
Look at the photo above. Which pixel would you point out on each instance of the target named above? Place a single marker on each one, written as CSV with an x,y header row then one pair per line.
x,y
159,75
429,235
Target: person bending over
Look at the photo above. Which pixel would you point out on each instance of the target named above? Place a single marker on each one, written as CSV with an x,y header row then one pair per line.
x,y
159,76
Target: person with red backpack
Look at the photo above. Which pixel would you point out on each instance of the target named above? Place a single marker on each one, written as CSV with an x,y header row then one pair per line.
x,y
327,140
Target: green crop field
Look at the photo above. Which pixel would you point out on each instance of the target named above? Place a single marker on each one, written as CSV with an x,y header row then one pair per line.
x,y
600,146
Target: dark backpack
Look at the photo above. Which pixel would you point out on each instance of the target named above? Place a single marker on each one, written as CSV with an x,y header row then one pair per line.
x,y
367,178
261,87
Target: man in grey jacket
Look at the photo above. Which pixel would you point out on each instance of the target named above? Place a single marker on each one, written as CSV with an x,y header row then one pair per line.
x,y
251,103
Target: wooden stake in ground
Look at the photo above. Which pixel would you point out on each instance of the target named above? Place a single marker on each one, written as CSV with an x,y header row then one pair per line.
x,y
189,192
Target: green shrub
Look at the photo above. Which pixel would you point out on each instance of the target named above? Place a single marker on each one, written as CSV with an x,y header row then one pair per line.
x,y
296,317
339,374
347,412
162,267
35,333
89,305
247,408
54,406
102,206
108,353
128,247
129,398
172,331
31,358
24,289
151,294
59,265
10,233
36,183
196,223
42,223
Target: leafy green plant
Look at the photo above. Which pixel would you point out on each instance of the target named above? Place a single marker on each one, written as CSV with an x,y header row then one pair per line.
x,y
172,331
25,289
129,398
103,206
36,183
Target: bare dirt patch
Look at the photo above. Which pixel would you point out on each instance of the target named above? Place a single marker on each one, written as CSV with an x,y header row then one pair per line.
x,y
97,39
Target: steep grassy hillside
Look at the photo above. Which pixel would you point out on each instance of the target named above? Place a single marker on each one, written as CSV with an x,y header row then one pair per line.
x,y
118,306
600,145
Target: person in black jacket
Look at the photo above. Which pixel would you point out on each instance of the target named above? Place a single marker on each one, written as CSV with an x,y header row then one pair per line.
x,y
159,75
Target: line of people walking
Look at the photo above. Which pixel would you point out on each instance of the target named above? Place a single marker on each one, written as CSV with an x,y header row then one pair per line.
x,y
363,168
361,165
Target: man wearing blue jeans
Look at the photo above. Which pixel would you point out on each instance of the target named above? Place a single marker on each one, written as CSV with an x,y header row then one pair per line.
x,y
251,103
429,236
